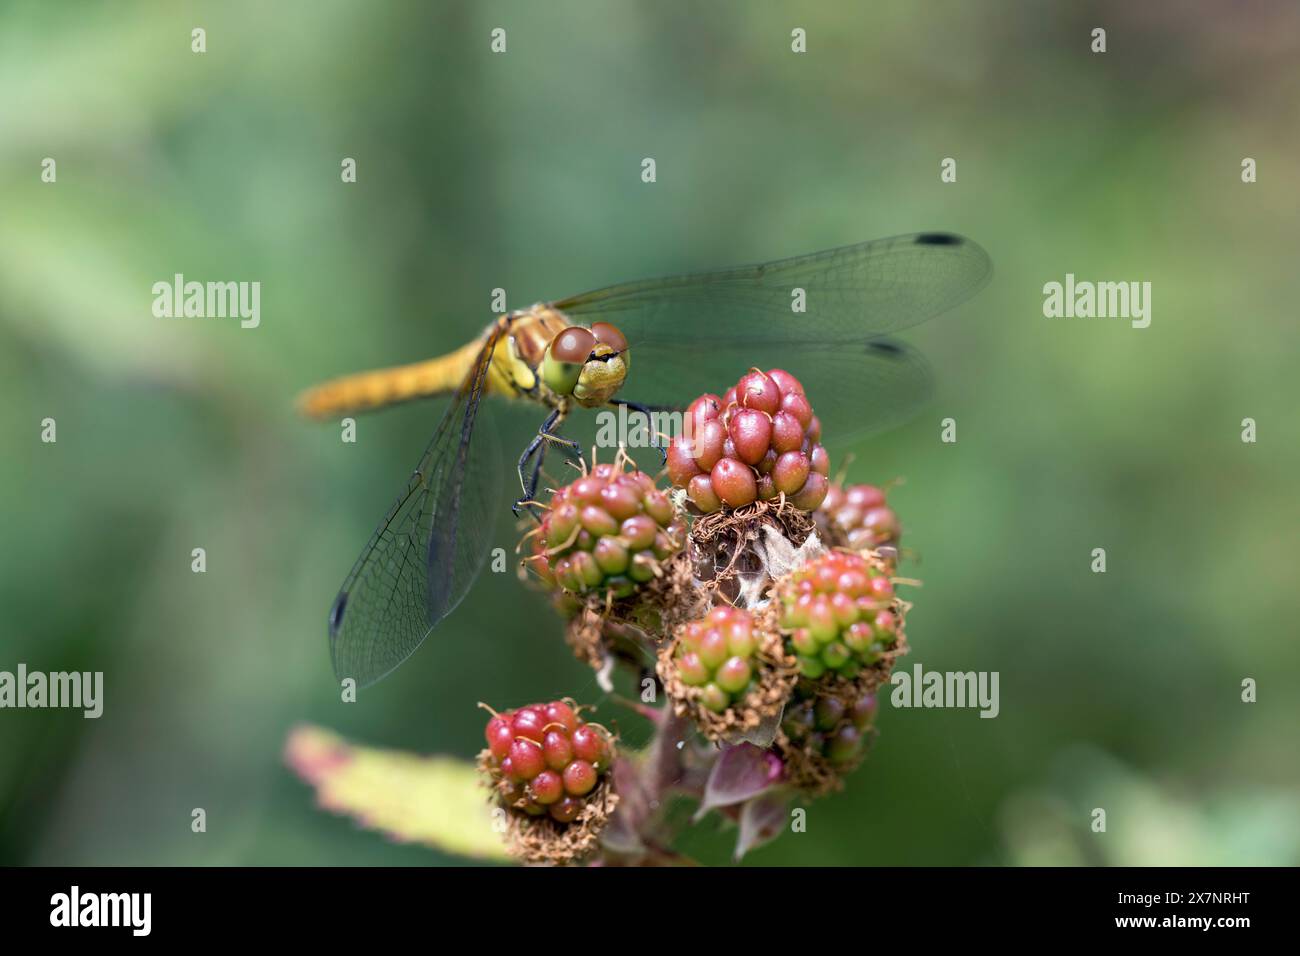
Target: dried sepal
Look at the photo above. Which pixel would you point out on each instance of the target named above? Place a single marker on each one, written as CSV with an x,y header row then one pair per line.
x,y
542,841
600,629
735,555
808,770
822,739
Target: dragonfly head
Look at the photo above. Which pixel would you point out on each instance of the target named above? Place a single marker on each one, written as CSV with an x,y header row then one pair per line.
x,y
589,364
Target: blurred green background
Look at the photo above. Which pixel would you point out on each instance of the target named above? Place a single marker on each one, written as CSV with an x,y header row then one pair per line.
x,y
521,171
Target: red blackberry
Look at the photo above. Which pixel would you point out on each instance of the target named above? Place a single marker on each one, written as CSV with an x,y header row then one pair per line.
x,y
759,441
544,760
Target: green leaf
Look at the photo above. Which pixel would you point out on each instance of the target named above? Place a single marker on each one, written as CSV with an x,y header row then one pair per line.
x,y
436,801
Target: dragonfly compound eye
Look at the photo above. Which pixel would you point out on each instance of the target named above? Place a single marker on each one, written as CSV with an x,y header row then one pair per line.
x,y
573,345
607,334
564,359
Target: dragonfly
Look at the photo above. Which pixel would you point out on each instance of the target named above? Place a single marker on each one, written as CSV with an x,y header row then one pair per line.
x,y
823,317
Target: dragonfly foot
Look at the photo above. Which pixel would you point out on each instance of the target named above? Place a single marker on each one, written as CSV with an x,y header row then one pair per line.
x,y
571,446
526,506
649,413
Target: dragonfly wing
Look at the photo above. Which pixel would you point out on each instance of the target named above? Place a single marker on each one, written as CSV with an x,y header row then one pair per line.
x,y
820,316
850,294
428,549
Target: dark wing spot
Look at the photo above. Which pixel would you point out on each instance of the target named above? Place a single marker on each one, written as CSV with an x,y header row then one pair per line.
x,y
337,610
884,347
439,577
938,239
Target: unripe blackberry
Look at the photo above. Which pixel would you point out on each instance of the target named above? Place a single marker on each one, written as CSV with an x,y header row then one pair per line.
x,y
857,517
549,771
823,737
839,614
828,725
607,533
716,654
728,669
758,441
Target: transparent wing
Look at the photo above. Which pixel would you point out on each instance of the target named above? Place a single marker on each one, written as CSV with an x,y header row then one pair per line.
x,y
698,333
428,549
853,293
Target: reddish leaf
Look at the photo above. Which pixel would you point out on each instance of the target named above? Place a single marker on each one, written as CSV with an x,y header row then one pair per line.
x,y
740,773
762,819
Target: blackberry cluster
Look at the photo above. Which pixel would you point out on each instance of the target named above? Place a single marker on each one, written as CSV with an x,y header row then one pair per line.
x,y
756,442
838,612
828,728
607,532
857,517
544,760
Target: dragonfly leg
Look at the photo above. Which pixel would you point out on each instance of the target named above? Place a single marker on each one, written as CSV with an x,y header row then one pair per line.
x,y
566,443
648,411
536,450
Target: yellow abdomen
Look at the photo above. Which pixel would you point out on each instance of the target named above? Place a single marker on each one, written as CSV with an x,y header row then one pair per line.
x,y
512,373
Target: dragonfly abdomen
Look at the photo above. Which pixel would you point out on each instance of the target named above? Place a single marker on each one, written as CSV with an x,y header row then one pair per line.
x,y
388,386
